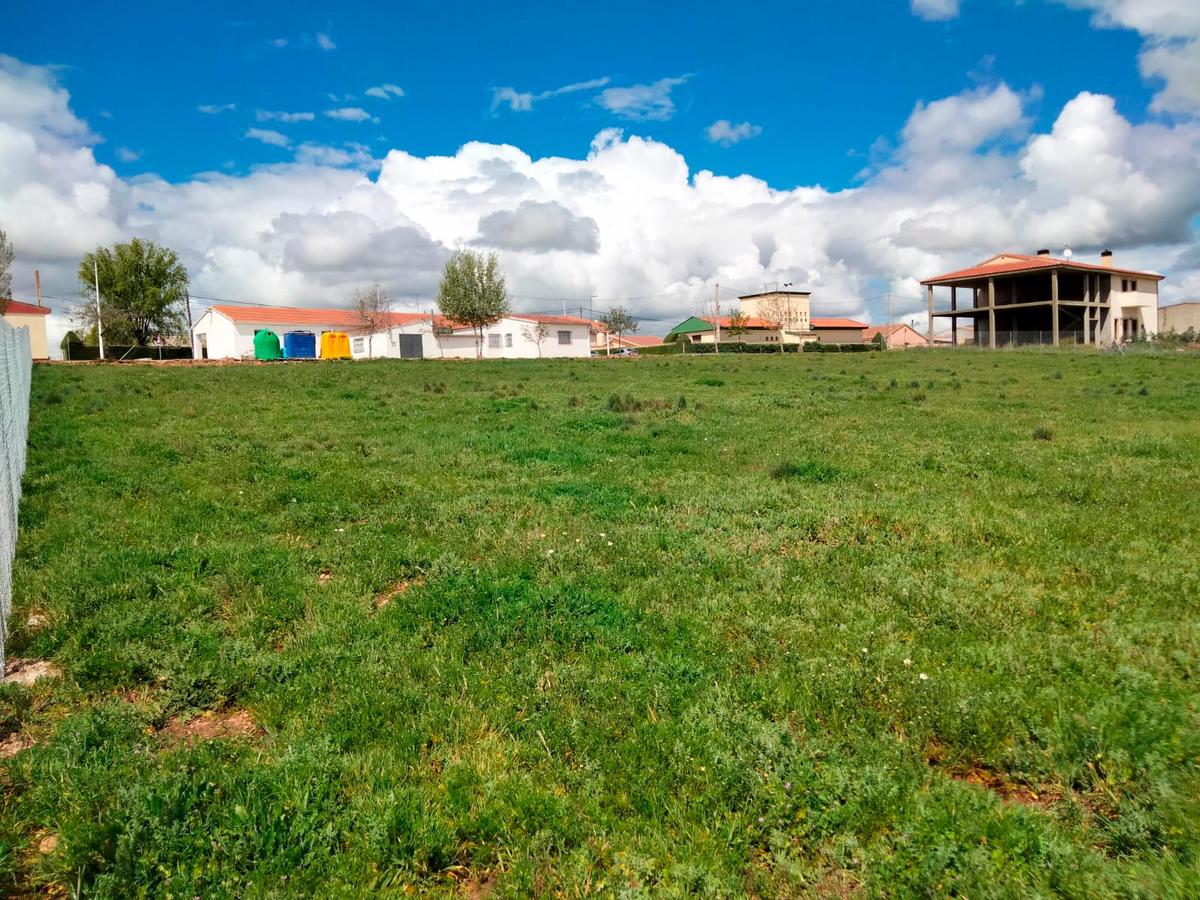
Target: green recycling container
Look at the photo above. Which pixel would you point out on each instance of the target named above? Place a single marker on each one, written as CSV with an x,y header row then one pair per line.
x,y
266,345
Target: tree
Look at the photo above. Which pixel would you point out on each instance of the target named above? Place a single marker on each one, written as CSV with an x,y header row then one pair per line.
x,y
617,321
142,288
6,258
472,292
373,306
775,308
738,324
537,332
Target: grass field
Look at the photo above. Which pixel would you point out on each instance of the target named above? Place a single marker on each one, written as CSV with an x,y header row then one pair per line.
x,y
907,624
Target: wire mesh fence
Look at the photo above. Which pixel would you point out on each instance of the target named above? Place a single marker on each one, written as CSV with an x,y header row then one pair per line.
x,y
16,364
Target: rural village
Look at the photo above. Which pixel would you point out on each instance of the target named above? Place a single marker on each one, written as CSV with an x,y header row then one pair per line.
x,y
554,451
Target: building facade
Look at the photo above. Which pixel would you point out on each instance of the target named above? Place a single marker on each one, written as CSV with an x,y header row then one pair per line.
x,y
33,317
1180,317
897,337
1014,298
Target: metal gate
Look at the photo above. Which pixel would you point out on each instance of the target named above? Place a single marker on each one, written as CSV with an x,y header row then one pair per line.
x,y
410,346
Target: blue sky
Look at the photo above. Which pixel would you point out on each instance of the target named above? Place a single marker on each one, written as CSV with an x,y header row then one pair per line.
x,y
822,80
641,154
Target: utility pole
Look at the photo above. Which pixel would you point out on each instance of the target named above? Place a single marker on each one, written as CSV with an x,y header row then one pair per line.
x,y
187,299
717,307
37,286
99,323
889,299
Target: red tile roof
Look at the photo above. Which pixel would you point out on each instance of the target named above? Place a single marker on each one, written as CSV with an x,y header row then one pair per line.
x,y
641,340
889,330
294,315
16,307
554,320
1021,262
818,322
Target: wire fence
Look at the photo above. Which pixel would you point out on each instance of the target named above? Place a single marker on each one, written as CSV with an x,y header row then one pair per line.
x,y
16,365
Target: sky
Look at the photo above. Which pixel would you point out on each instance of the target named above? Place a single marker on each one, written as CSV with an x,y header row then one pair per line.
x,y
611,154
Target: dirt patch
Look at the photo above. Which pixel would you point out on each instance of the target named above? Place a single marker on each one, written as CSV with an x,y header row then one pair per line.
x,y
208,726
324,577
48,844
14,744
1040,796
28,671
386,597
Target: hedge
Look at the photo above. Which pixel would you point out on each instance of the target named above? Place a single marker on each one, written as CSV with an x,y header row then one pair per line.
x,y
742,347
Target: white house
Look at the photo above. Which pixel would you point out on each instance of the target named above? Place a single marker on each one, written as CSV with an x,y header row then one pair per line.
x,y
227,332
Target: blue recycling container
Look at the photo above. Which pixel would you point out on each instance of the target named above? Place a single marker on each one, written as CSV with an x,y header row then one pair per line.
x,y
299,345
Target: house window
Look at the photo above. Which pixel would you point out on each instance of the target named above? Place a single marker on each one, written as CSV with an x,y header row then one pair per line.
x,y
360,345
564,337
1129,284
508,340
493,341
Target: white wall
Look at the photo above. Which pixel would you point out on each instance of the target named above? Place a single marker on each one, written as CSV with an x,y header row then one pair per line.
x,y
1141,304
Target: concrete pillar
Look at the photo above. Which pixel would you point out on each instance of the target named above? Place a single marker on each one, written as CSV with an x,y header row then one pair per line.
x,y
953,319
1054,307
929,298
992,313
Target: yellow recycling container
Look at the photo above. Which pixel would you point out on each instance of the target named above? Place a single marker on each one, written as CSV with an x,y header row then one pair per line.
x,y
335,345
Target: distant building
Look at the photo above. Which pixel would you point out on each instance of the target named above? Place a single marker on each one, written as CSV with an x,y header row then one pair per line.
x,y
790,310
227,332
33,317
1013,298
897,337
838,331
703,330
1179,317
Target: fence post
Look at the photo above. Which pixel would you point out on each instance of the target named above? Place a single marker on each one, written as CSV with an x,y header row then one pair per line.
x,y
17,365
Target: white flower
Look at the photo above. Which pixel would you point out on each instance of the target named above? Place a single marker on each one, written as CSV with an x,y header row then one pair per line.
x,y
550,552
610,543
923,677
602,534
907,661
864,649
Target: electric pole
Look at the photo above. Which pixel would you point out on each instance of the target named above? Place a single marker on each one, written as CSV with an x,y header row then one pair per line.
x,y
99,323
717,307
187,299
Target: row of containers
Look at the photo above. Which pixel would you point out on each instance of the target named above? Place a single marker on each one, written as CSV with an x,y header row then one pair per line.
x,y
300,345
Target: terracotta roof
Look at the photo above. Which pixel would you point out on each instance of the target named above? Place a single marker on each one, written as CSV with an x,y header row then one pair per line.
x,y
889,330
294,315
772,293
818,322
16,307
1021,262
553,320
641,340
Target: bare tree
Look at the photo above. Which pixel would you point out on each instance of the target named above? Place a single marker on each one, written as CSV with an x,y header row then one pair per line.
x,y
536,332
737,324
775,309
619,322
373,306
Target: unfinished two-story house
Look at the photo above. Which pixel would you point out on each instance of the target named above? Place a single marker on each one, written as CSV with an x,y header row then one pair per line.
x,y
1015,299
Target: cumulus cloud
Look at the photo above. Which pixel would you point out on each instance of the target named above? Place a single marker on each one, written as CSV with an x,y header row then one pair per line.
x,y
539,228
523,101
351,114
643,102
212,109
267,136
266,115
628,218
325,42
935,10
727,134
385,91
125,154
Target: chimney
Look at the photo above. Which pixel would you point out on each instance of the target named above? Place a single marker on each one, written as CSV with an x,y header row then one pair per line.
x,y
1043,253
1106,258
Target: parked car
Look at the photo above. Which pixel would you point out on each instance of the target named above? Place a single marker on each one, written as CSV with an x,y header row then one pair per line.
x,y
625,351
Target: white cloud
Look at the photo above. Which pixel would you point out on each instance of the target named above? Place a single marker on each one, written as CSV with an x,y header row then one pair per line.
x,y
325,42
523,101
267,136
385,91
642,102
727,134
1171,48
124,154
351,114
212,109
935,10
628,218
266,115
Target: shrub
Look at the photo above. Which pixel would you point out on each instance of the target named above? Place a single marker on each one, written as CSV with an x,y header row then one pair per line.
x,y
1042,433
711,382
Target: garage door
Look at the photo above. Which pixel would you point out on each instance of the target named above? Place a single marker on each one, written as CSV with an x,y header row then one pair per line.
x,y
410,346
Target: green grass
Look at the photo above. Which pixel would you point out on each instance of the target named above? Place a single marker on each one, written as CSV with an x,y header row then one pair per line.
x,y
774,625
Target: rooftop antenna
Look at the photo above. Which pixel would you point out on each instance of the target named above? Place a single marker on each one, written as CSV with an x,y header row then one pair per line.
x,y
1066,253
